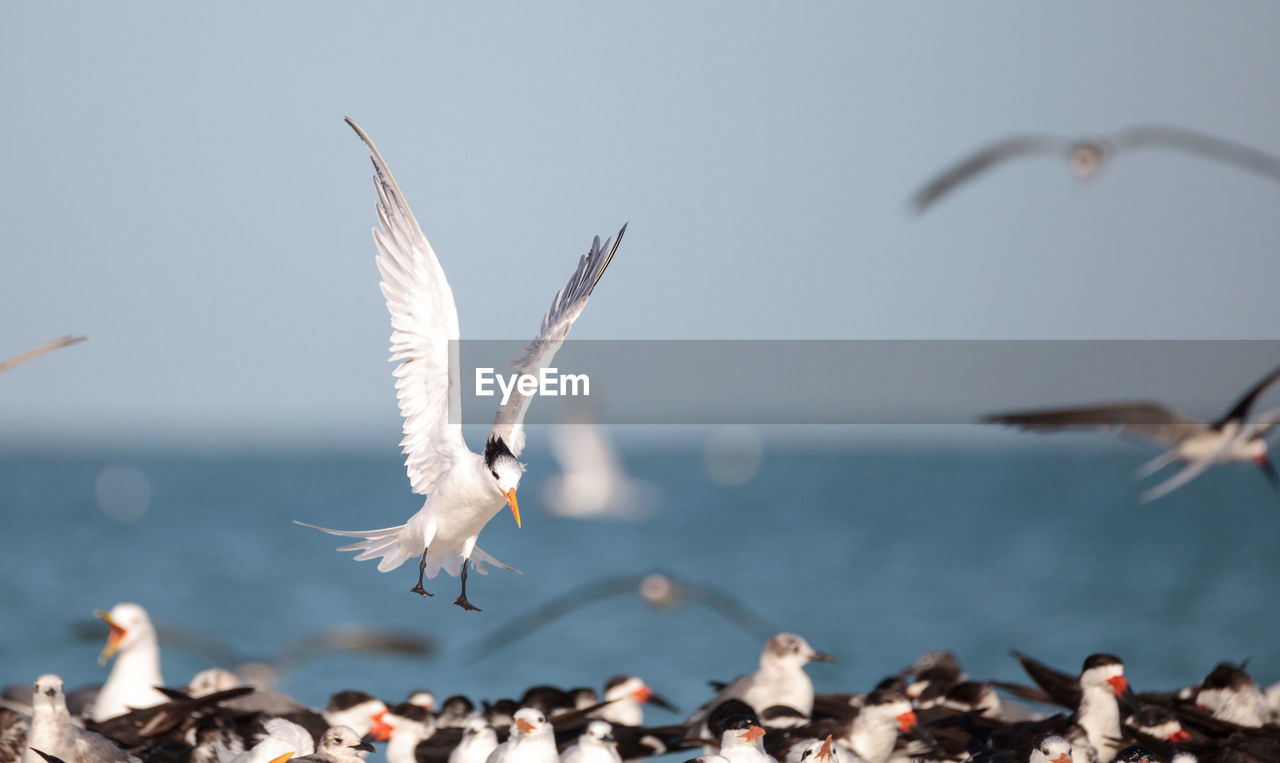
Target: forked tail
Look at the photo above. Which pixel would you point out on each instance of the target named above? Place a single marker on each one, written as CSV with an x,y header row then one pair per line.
x,y
374,544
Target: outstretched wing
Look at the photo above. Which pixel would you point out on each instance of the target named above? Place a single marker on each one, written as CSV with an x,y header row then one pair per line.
x,y
1148,421
1240,410
565,309
982,160
35,352
424,334
1221,149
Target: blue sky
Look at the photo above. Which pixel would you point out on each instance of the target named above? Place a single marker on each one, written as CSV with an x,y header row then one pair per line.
x,y
179,185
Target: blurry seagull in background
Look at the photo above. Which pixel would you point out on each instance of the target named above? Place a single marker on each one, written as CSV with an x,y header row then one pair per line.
x,y
656,589
593,483
1088,155
464,489
35,352
1198,443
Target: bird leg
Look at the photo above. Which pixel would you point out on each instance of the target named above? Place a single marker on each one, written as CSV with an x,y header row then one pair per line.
x,y
461,601
422,567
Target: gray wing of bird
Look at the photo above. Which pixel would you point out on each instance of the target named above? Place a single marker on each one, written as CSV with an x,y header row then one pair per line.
x,y
90,746
1147,421
1240,409
35,352
353,638
1221,149
566,306
984,159
730,608
566,602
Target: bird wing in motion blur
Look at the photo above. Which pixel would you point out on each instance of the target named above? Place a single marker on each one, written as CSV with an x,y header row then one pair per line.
x,y
35,352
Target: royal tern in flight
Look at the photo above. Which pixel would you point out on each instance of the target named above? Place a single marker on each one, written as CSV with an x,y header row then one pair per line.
x,y
136,673
1087,155
464,489
37,351
1198,443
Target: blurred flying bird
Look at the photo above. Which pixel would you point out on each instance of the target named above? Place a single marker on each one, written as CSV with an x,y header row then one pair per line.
x,y
35,352
656,589
1087,155
1198,444
464,489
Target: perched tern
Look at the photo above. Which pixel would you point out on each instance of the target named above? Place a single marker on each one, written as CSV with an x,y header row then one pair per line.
x,y
53,732
479,740
1199,444
742,741
136,672
37,351
595,745
281,739
1051,748
464,489
339,744
410,724
531,741
1087,155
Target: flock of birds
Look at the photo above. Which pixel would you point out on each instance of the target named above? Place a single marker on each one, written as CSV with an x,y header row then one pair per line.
x,y
929,711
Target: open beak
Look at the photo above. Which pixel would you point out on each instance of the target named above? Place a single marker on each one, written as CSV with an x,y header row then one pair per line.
x,y
510,495
752,734
524,726
113,640
821,657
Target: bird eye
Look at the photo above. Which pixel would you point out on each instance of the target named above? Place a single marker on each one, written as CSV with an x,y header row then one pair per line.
x,y
805,754
494,473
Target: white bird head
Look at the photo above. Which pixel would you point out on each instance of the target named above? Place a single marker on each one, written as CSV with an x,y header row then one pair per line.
x,y
48,693
505,470
343,742
530,723
1051,748
788,648
129,625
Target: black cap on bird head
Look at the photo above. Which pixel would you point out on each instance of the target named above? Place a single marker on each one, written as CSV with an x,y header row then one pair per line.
x,y
496,448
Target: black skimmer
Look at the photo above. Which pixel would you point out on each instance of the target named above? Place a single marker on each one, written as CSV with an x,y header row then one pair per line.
x,y
1088,155
37,351
410,725
660,590
360,712
1231,695
133,679
626,697
339,744
464,489
1200,444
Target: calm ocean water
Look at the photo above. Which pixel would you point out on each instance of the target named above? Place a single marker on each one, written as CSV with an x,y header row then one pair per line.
x,y
875,555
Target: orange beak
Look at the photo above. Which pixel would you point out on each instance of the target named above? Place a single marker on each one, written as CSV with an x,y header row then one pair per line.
x,y
1180,735
510,495
825,752
1063,758
381,730
113,640
753,733
907,721
1118,685
282,758
524,726
642,694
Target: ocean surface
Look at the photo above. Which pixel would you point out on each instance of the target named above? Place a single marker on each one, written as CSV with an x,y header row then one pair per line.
x,y
875,554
